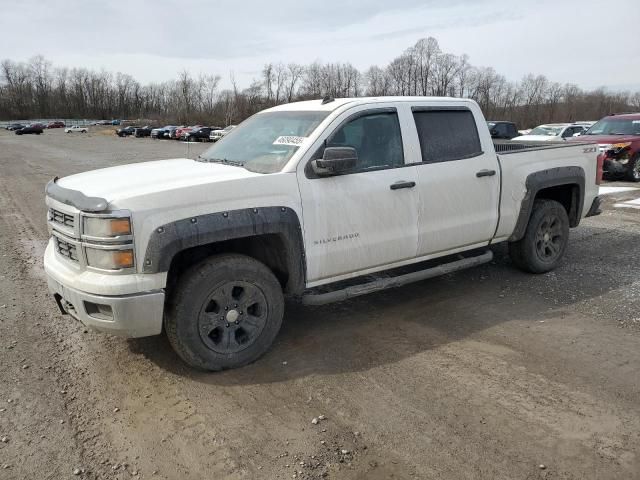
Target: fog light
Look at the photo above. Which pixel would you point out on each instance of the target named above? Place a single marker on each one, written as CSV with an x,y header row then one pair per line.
x,y
99,311
109,259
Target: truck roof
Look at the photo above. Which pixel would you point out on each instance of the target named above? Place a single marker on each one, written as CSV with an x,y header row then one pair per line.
x,y
315,105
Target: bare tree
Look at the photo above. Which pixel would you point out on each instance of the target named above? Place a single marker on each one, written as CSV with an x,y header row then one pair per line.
x,y
37,89
294,73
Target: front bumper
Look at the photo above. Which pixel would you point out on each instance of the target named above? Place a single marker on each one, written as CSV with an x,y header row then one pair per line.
x,y
614,167
130,305
137,315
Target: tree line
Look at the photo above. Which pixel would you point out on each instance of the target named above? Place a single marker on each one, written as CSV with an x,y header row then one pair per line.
x,y
37,89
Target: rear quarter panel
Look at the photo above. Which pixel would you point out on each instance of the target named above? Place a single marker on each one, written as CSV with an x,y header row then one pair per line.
x,y
518,165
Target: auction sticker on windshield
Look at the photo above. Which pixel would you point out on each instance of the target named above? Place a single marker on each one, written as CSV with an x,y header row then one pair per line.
x,y
289,140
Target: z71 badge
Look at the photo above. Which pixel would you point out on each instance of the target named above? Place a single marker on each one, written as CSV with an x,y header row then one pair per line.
x,y
589,149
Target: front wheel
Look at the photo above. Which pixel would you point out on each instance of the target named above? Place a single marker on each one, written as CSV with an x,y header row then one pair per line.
x,y
545,240
633,168
225,312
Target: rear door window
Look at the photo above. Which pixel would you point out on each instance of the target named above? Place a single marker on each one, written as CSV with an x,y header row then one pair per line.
x,y
446,135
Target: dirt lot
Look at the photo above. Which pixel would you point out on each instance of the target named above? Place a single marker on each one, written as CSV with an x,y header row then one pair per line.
x,y
485,374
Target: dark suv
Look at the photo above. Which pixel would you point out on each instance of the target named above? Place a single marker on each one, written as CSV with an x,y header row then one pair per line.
x,y
36,128
126,131
200,134
143,131
503,130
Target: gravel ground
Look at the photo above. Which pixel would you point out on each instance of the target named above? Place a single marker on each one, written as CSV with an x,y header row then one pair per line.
x,y
485,374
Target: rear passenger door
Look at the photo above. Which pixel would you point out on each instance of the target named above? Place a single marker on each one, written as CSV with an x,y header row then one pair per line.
x,y
458,179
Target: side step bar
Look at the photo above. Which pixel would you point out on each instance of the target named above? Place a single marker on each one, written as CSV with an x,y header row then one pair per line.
x,y
392,282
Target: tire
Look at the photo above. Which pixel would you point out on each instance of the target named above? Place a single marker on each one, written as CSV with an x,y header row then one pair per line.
x,y
225,312
633,169
545,240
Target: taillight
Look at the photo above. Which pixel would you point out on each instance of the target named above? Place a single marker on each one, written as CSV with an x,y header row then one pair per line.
x,y
599,168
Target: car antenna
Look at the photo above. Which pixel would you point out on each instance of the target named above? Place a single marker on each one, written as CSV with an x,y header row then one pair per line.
x,y
327,99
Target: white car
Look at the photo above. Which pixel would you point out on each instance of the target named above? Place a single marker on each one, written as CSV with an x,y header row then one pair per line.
x,y
552,132
216,135
76,129
302,196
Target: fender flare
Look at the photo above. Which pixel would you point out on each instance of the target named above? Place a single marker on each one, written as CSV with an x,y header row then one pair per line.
x,y
552,177
169,239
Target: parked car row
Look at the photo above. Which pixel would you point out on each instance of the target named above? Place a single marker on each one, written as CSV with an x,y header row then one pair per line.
x,y
617,136
193,133
32,128
542,133
106,122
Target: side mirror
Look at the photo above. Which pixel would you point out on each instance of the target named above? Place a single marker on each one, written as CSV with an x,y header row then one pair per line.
x,y
335,160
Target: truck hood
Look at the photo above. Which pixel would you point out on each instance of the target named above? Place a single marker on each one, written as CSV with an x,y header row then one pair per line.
x,y
536,138
607,139
126,181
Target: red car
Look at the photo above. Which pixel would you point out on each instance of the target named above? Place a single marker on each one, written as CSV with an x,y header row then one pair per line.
x,y
56,125
618,138
182,132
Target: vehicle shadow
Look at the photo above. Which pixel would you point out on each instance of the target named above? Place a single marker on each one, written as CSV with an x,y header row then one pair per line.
x,y
387,327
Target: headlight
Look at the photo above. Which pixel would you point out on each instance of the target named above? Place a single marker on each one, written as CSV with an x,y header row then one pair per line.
x,y
107,227
621,146
109,259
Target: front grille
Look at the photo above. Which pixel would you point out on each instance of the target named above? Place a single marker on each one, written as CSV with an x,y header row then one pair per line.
x,y
62,218
66,249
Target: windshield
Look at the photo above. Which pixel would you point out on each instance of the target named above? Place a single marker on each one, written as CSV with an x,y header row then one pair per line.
x,y
611,126
265,142
546,130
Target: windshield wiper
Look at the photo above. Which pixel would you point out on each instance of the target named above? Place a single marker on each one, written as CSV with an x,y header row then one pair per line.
x,y
222,160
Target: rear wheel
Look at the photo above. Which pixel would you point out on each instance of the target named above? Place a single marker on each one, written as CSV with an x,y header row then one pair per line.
x,y
545,240
633,168
225,313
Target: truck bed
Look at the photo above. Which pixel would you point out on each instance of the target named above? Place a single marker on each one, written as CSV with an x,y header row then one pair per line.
x,y
518,160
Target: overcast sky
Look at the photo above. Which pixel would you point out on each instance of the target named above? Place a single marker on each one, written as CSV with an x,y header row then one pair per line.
x,y
588,42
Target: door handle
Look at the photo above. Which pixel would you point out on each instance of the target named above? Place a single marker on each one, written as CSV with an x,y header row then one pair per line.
x,y
402,184
485,173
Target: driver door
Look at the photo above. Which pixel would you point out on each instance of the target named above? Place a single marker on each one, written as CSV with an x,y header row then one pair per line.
x,y
365,218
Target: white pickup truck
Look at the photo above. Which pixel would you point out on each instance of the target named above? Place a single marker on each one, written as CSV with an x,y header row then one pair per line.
x,y
306,200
